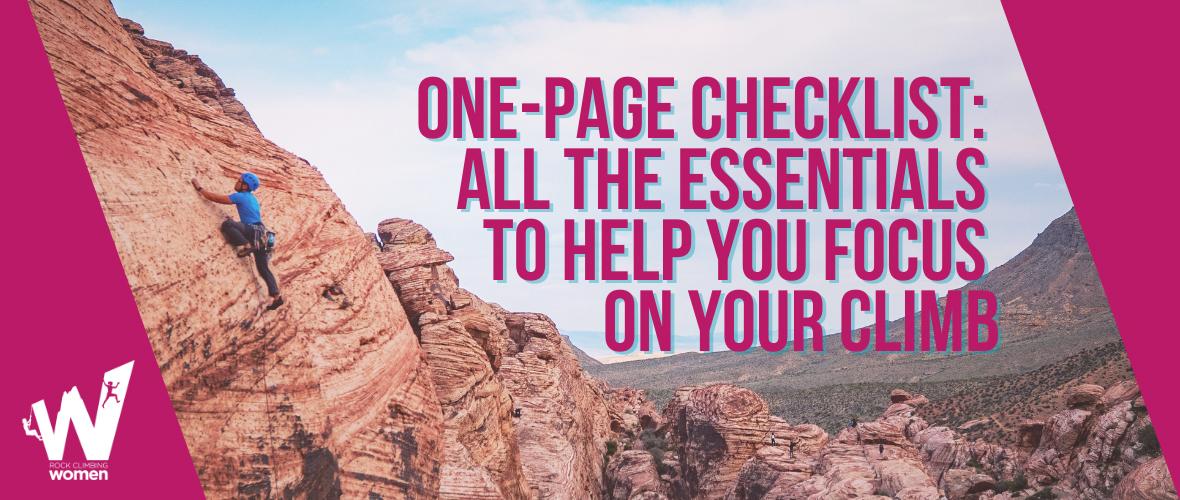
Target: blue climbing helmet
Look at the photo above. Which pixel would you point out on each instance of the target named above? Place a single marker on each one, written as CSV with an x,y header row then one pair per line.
x,y
251,180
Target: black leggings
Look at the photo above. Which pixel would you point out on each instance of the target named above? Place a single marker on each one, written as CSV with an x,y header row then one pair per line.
x,y
239,234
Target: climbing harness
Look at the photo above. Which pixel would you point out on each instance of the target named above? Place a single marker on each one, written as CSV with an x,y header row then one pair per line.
x,y
263,239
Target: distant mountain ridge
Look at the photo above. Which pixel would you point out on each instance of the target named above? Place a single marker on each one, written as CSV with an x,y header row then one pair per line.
x,y
1052,306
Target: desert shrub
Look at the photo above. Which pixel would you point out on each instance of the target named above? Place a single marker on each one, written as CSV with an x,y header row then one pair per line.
x,y
1151,442
611,448
1016,484
653,440
1046,493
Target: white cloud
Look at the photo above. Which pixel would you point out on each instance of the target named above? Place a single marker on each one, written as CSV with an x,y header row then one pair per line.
x,y
363,134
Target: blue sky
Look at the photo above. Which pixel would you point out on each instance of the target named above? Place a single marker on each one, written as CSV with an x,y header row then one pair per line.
x,y
336,83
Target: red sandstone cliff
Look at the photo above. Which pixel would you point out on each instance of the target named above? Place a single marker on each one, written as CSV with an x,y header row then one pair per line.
x,y
342,393
514,397
382,378
319,399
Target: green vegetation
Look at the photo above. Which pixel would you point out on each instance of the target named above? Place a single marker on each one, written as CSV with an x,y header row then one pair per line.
x,y
655,444
976,465
1046,493
653,440
1151,442
1016,484
611,448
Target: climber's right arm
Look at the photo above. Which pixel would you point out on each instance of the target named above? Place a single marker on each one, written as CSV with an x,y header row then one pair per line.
x,y
214,197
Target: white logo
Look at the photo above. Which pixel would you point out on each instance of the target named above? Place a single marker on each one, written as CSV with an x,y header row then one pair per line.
x,y
96,437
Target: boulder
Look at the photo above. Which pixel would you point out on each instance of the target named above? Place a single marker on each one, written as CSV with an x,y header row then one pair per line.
x,y
900,396
770,474
1028,435
1050,462
1084,396
1150,481
959,484
971,424
1126,390
630,474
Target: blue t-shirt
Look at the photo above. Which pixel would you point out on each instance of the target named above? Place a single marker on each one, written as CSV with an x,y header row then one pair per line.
x,y
249,212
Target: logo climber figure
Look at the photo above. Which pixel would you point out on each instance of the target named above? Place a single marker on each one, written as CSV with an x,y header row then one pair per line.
x,y
29,431
249,235
110,393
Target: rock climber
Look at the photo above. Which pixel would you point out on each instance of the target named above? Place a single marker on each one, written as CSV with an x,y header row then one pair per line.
x,y
772,442
29,430
881,449
110,393
247,236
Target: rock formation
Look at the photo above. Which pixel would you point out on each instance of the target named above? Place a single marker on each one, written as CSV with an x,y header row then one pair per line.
x,y
382,378
511,388
632,474
329,396
188,73
1150,481
1098,441
771,473
629,408
901,456
717,428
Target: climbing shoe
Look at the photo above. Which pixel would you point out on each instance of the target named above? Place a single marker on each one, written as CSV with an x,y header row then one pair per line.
x,y
244,250
276,304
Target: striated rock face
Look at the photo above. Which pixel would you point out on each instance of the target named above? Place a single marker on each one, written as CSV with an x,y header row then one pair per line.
x,y
464,353
1150,481
717,428
483,457
1126,390
631,474
1028,435
629,408
1085,396
563,419
876,456
188,73
1091,448
964,484
771,474
942,450
329,396
521,414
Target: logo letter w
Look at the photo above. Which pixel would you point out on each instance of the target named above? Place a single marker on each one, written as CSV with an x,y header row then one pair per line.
x,y
97,437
